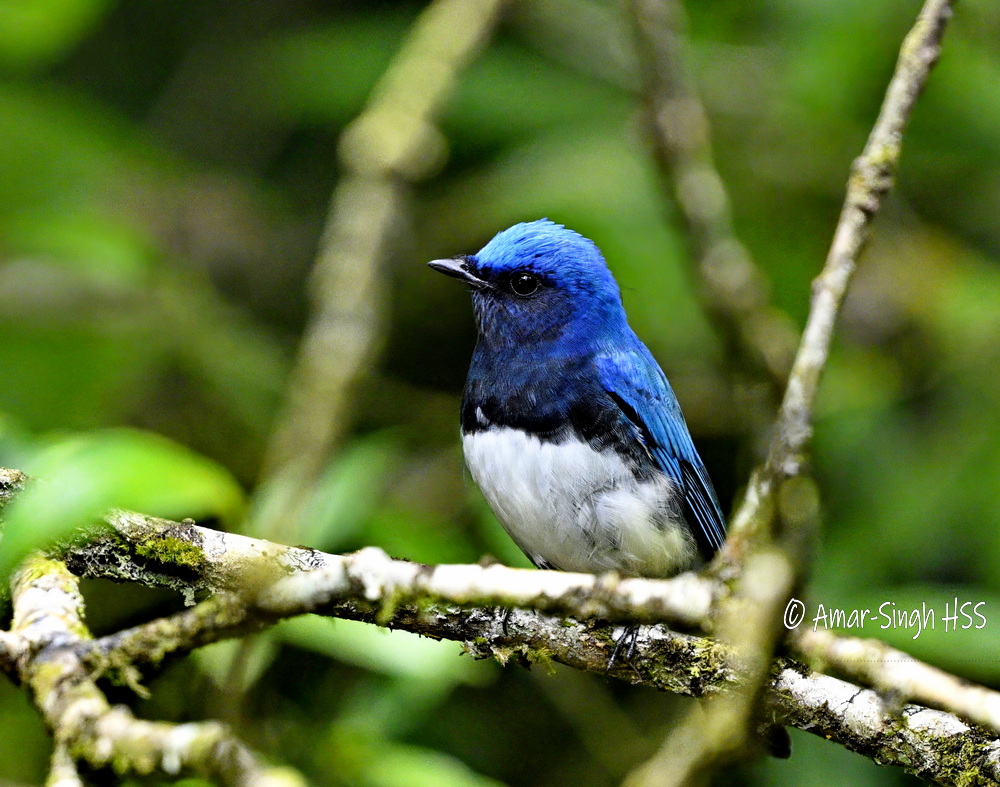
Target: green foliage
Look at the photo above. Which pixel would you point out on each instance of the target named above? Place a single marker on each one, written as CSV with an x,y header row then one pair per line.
x,y
348,494
82,477
36,33
165,171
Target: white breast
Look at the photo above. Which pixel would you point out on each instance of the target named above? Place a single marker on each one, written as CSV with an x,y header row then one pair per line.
x,y
576,509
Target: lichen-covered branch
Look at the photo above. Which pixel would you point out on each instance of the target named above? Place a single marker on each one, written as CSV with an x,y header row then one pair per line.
x,y
252,583
392,144
872,175
184,557
664,659
189,558
46,636
934,745
891,670
735,292
11,482
777,515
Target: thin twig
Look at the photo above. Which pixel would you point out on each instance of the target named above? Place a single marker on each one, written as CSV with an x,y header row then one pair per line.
x,y
872,175
736,294
393,143
777,516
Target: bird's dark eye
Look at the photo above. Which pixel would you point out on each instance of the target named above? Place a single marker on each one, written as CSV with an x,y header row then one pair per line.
x,y
524,284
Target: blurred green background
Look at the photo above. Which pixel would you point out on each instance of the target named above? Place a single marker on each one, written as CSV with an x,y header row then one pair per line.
x,y
165,168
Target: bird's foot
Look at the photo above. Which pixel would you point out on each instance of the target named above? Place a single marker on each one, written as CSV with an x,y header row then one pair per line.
x,y
627,640
504,618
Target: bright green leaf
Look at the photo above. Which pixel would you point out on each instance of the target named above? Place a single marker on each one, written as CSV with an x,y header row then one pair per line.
x,y
35,32
79,478
416,766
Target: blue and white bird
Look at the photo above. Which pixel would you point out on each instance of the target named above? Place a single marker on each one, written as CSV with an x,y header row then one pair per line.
x,y
569,427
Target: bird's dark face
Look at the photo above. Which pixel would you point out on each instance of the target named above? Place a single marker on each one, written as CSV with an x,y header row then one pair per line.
x,y
538,283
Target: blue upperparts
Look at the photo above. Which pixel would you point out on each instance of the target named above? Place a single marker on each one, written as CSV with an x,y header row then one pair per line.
x,y
556,355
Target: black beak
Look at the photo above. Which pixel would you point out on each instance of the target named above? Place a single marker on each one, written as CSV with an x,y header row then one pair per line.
x,y
459,268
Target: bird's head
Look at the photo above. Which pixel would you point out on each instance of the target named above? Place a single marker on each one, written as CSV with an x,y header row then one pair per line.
x,y
538,282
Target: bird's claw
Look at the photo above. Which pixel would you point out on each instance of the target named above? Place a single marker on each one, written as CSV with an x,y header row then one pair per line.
x,y
504,618
628,639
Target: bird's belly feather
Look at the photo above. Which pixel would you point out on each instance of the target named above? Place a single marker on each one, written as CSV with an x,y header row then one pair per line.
x,y
577,509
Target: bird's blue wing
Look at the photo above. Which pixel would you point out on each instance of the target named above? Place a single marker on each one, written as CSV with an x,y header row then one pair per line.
x,y
634,380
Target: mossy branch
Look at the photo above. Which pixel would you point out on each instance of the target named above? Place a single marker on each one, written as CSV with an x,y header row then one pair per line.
x,y
248,584
47,637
